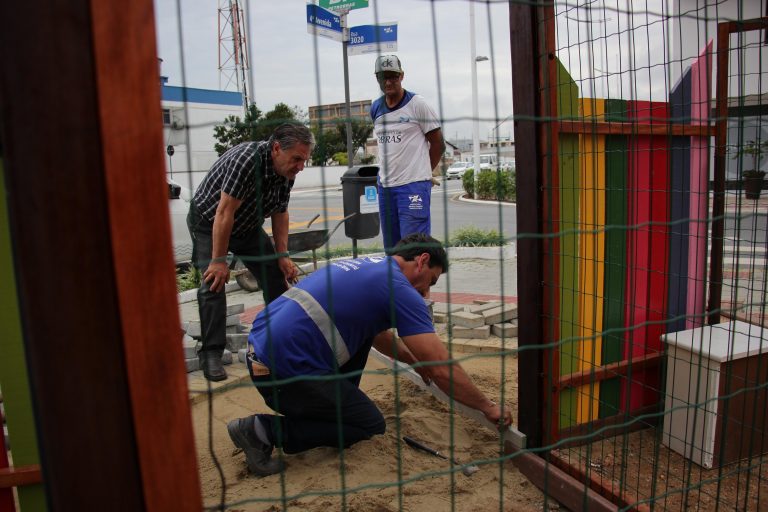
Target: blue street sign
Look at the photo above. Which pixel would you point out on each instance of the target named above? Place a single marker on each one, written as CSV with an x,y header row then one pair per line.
x,y
322,22
372,38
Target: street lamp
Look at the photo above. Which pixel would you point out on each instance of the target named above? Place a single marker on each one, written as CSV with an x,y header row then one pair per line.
x,y
475,114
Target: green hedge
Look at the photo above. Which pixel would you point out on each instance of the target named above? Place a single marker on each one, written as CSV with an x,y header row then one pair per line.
x,y
494,185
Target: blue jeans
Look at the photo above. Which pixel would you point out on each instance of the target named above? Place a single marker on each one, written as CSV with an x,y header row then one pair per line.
x,y
404,210
333,413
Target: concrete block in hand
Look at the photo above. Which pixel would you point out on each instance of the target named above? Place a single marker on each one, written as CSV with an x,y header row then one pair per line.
x,y
505,313
466,319
442,307
235,309
505,330
236,342
483,332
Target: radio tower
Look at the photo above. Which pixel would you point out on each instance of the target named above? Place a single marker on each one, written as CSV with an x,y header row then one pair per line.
x,y
233,50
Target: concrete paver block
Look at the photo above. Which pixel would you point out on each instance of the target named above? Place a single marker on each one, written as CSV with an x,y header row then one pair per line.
x,y
479,308
236,342
442,307
466,319
439,318
233,320
505,330
483,332
241,355
226,357
193,364
235,309
504,313
193,329
190,349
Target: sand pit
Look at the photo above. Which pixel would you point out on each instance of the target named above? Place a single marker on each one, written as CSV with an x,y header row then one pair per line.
x,y
379,475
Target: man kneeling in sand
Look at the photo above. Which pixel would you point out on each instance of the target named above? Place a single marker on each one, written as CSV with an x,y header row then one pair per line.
x,y
322,331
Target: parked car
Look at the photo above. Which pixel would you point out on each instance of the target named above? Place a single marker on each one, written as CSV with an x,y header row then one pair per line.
x,y
178,204
457,170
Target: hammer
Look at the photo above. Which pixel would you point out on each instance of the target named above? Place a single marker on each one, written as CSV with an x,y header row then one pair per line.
x,y
467,470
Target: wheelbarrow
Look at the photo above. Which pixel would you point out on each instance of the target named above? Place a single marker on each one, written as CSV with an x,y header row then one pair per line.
x,y
299,240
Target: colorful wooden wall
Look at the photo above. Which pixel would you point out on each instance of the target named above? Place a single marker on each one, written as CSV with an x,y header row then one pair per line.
x,y
631,217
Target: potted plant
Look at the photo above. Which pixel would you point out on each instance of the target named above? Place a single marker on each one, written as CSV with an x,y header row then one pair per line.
x,y
753,178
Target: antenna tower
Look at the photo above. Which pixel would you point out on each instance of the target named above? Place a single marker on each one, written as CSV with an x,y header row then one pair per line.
x,y
233,50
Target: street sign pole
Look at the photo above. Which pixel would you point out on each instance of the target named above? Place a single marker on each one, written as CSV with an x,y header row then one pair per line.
x,y
344,45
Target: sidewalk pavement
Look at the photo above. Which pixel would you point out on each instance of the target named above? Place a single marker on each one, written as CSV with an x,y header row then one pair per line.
x,y
466,281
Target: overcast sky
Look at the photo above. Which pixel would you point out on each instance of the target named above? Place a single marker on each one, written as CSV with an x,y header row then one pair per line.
x,y
289,65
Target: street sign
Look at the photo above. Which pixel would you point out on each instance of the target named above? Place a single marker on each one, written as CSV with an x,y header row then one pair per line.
x,y
322,22
372,38
343,5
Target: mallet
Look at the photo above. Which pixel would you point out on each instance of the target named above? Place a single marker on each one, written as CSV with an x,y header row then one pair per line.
x,y
467,470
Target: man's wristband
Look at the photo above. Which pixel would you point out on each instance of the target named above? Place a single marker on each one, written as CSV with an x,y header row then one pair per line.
x,y
220,259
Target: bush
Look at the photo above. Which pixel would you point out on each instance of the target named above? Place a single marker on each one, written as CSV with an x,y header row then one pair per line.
x,y
475,237
494,185
188,279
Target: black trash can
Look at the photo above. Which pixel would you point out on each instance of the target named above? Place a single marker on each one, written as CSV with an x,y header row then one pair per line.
x,y
361,196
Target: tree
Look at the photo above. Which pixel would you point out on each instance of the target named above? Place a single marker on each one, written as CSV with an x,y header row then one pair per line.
x,y
272,119
361,130
234,131
327,142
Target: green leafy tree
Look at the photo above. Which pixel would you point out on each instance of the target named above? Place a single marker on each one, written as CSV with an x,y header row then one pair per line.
x,y
361,130
327,143
272,119
234,131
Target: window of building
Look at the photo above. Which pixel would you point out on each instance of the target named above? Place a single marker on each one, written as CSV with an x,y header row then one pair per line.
x,y
166,117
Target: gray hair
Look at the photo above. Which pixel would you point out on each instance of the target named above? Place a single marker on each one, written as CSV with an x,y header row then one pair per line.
x,y
290,134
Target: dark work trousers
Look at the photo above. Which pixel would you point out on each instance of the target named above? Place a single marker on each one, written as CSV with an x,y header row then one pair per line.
x,y
332,412
213,305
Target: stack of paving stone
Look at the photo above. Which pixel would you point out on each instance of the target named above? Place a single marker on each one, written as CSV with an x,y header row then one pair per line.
x,y
237,338
478,320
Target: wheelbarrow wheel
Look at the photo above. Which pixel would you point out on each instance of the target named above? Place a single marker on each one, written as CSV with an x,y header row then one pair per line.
x,y
245,279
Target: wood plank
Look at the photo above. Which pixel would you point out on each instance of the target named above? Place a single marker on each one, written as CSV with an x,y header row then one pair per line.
x,y
20,476
568,159
638,129
591,258
615,255
701,97
609,371
528,134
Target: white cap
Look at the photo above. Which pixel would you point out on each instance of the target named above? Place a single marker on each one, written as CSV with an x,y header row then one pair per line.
x,y
386,63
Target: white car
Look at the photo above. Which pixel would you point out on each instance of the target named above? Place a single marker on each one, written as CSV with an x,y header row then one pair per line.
x,y
457,170
178,205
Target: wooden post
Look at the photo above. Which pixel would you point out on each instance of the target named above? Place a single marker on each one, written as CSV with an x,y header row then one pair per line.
x,y
88,212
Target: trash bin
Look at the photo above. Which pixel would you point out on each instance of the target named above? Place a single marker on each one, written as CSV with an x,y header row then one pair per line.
x,y
361,196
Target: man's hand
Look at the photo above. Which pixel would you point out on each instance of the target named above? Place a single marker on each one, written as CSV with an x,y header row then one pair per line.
x,y
216,275
493,414
288,269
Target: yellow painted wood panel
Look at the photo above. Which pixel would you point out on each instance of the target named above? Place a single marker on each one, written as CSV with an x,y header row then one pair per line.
x,y
591,258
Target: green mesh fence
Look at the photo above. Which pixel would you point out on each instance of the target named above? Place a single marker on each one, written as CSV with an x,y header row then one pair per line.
x,y
607,249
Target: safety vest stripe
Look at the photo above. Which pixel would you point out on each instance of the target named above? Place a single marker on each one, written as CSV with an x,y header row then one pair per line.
x,y
315,311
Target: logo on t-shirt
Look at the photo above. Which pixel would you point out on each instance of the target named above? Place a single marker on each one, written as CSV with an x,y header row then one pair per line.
x,y
416,202
376,259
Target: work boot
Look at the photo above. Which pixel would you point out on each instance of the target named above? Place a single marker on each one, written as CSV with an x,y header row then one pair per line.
x,y
213,368
258,454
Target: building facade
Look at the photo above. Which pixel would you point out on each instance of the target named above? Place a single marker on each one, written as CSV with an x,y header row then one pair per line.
x,y
335,113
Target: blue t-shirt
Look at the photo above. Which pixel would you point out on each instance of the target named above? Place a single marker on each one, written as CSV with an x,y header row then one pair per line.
x,y
360,298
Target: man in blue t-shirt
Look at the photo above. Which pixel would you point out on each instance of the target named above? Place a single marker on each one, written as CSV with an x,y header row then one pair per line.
x,y
326,326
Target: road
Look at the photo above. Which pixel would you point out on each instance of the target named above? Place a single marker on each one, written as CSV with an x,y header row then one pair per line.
x,y
448,213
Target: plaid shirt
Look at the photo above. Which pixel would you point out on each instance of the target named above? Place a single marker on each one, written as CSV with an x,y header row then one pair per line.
x,y
245,172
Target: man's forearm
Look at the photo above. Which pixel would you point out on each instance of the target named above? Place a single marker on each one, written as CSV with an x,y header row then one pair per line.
x,y
280,232
222,230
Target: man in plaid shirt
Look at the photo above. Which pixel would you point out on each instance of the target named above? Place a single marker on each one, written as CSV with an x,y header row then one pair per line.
x,y
247,184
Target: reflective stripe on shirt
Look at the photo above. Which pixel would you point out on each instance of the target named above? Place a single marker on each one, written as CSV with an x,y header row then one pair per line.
x,y
315,311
